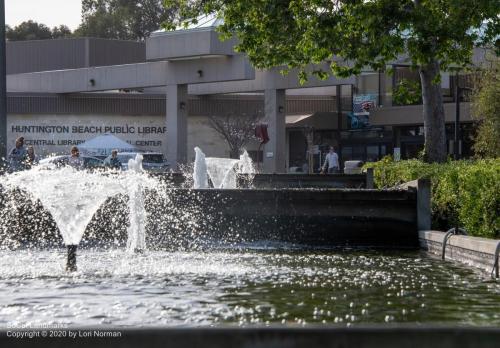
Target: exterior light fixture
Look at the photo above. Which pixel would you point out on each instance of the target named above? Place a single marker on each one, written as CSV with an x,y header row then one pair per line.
x,y
182,105
281,109
200,73
91,82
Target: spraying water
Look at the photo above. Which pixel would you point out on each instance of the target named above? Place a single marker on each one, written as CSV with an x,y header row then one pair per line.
x,y
200,170
72,196
69,195
245,164
136,230
223,171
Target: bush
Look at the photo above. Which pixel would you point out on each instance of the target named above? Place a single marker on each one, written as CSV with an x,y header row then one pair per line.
x,y
463,191
486,108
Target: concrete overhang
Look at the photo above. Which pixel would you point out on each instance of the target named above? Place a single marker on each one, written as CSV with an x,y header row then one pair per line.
x,y
269,79
184,44
130,76
316,120
413,115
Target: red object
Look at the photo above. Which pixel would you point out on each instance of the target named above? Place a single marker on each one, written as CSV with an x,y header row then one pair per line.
x,y
261,133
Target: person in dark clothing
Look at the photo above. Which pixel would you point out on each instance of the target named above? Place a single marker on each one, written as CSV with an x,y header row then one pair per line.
x,y
113,162
31,157
17,156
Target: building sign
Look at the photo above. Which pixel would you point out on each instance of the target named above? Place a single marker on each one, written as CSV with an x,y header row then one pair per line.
x,y
57,133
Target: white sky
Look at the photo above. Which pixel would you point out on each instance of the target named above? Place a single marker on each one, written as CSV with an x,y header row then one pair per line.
x,y
49,12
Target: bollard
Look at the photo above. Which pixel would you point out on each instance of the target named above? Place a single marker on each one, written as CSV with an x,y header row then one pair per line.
x,y
71,264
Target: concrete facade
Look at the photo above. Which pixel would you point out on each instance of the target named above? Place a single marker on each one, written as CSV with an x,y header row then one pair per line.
x,y
74,53
274,150
56,133
207,66
132,76
186,44
177,123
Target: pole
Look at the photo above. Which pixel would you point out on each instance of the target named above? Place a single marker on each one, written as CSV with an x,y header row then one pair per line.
x,y
456,155
71,261
3,85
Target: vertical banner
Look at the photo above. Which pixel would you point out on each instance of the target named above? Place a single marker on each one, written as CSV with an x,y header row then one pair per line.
x,y
362,104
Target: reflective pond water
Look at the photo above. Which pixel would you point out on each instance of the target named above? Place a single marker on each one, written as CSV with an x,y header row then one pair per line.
x,y
278,286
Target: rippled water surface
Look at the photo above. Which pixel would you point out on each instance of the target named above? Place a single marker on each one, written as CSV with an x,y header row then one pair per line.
x,y
242,287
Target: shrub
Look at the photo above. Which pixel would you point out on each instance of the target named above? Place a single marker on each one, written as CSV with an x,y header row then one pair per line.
x,y
463,191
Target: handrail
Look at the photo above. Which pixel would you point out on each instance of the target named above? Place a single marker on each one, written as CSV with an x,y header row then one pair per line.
x,y
495,263
449,233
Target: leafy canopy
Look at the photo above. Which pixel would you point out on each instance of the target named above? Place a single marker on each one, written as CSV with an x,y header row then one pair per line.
x,y
31,30
294,33
121,19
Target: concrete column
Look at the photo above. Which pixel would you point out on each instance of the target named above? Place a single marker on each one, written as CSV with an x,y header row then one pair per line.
x,y
176,125
370,178
275,149
3,86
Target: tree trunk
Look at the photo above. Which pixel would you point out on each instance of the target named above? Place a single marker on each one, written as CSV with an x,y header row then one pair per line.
x,y
433,112
234,153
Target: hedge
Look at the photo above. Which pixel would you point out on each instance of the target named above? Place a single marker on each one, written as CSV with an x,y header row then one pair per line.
x,y
467,191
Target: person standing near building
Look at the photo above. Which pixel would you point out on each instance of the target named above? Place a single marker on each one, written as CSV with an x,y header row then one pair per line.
x,y
75,160
331,162
113,162
31,157
17,156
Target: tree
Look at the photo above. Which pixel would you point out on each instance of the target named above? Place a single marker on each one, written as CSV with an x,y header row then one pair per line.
x,y
486,108
121,19
236,130
433,35
407,92
61,31
29,30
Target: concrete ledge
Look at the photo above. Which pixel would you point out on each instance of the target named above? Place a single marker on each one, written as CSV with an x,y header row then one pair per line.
x,y
473,251
280,181
324,337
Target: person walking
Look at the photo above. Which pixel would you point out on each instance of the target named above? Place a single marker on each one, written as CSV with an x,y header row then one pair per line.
x,y
17,156
331,162
75,160
113,162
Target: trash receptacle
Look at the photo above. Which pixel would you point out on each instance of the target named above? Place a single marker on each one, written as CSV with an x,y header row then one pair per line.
x,y
353,167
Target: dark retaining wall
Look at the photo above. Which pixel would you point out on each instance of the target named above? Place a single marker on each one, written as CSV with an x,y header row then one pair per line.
x,y
307,181
188,218
325,337
280,181
325,217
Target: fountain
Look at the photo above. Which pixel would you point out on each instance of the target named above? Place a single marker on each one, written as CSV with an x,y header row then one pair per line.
x,y
234,256
223,171
72,198
200,178
136,240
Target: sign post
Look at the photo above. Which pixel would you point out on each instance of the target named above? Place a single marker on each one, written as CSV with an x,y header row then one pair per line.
x,y
3,84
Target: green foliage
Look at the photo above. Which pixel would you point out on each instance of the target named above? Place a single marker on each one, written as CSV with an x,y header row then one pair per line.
x,y
486,109
407,92
351,35
295,33
31,30
463,191
121,19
